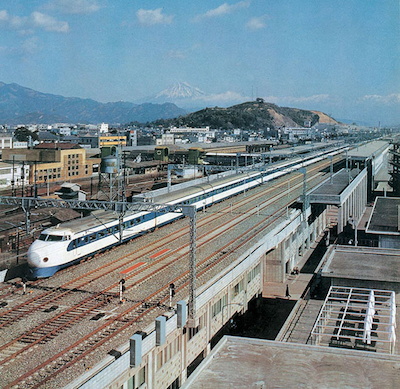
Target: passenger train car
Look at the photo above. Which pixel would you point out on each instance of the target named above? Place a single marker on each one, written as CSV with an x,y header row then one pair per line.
x,y
68,243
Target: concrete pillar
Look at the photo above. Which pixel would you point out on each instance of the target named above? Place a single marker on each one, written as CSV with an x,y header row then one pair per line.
x,y
151,367
207,350
340,220
274,265
183,375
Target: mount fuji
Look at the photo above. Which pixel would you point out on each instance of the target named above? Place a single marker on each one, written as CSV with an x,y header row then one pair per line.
x,y
192,98
180,90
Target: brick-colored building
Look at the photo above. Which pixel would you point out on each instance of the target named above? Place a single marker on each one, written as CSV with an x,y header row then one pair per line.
x,y
52,162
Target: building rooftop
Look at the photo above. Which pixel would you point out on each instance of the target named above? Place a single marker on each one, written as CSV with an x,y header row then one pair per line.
x,y
57,145
362,263
253,363
385,218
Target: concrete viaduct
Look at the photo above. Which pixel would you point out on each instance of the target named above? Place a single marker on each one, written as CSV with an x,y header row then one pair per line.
x,y
160,355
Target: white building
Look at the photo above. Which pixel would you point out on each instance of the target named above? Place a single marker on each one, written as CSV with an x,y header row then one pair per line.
x,y
6,142
19,176
21,145
103,128
166,139
66,131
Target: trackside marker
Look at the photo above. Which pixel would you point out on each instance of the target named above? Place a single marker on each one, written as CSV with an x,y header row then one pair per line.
x,y
159,253
129,269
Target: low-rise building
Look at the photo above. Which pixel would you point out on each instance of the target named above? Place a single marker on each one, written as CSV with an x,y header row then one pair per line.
x,y
112,140
14,175
6,142
384,222
51,162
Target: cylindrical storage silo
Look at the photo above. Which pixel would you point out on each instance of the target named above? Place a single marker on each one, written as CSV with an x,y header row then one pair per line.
x,y
109,165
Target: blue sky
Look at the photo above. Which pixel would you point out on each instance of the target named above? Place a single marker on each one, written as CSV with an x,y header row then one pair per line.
x,y
338,56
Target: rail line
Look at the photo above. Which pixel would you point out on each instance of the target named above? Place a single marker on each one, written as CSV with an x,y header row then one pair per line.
x,y
77,351
40,302
114,325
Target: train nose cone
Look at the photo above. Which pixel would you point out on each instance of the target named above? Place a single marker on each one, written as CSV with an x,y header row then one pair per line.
x,y
33,258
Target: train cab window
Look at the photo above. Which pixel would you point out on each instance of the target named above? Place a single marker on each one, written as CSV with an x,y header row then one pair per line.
x,y
42,237
54,238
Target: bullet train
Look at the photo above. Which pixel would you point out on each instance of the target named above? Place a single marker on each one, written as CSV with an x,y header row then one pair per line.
x,y
68,243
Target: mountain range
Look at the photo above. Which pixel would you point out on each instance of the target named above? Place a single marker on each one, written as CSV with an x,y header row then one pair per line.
x,y
19,105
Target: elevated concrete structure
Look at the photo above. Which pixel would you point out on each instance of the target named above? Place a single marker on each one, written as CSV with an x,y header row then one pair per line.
x,y
254,363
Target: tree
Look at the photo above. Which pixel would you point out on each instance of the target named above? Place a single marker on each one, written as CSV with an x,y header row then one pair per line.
x,y
22,134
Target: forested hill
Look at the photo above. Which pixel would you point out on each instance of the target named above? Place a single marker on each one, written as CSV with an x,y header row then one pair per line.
x,y
250,115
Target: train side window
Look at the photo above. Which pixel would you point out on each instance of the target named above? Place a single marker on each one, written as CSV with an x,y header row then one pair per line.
x,y
92,237
72,245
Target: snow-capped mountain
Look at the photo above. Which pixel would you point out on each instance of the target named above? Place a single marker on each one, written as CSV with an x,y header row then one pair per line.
x,y
191,98
180,90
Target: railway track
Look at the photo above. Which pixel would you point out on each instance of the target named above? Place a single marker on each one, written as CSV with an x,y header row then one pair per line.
x,y
150,303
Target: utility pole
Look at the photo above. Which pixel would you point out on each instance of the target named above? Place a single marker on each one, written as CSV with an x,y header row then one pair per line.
x,y
191,212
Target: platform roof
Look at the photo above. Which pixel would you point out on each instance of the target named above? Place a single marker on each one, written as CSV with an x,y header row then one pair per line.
x,y
330,191
255,363
368,150
362,263
385,216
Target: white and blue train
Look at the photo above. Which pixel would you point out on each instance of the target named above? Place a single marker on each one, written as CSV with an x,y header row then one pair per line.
x,y
68,243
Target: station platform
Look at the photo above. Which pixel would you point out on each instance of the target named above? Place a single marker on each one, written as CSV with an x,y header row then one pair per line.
x,y
297,283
